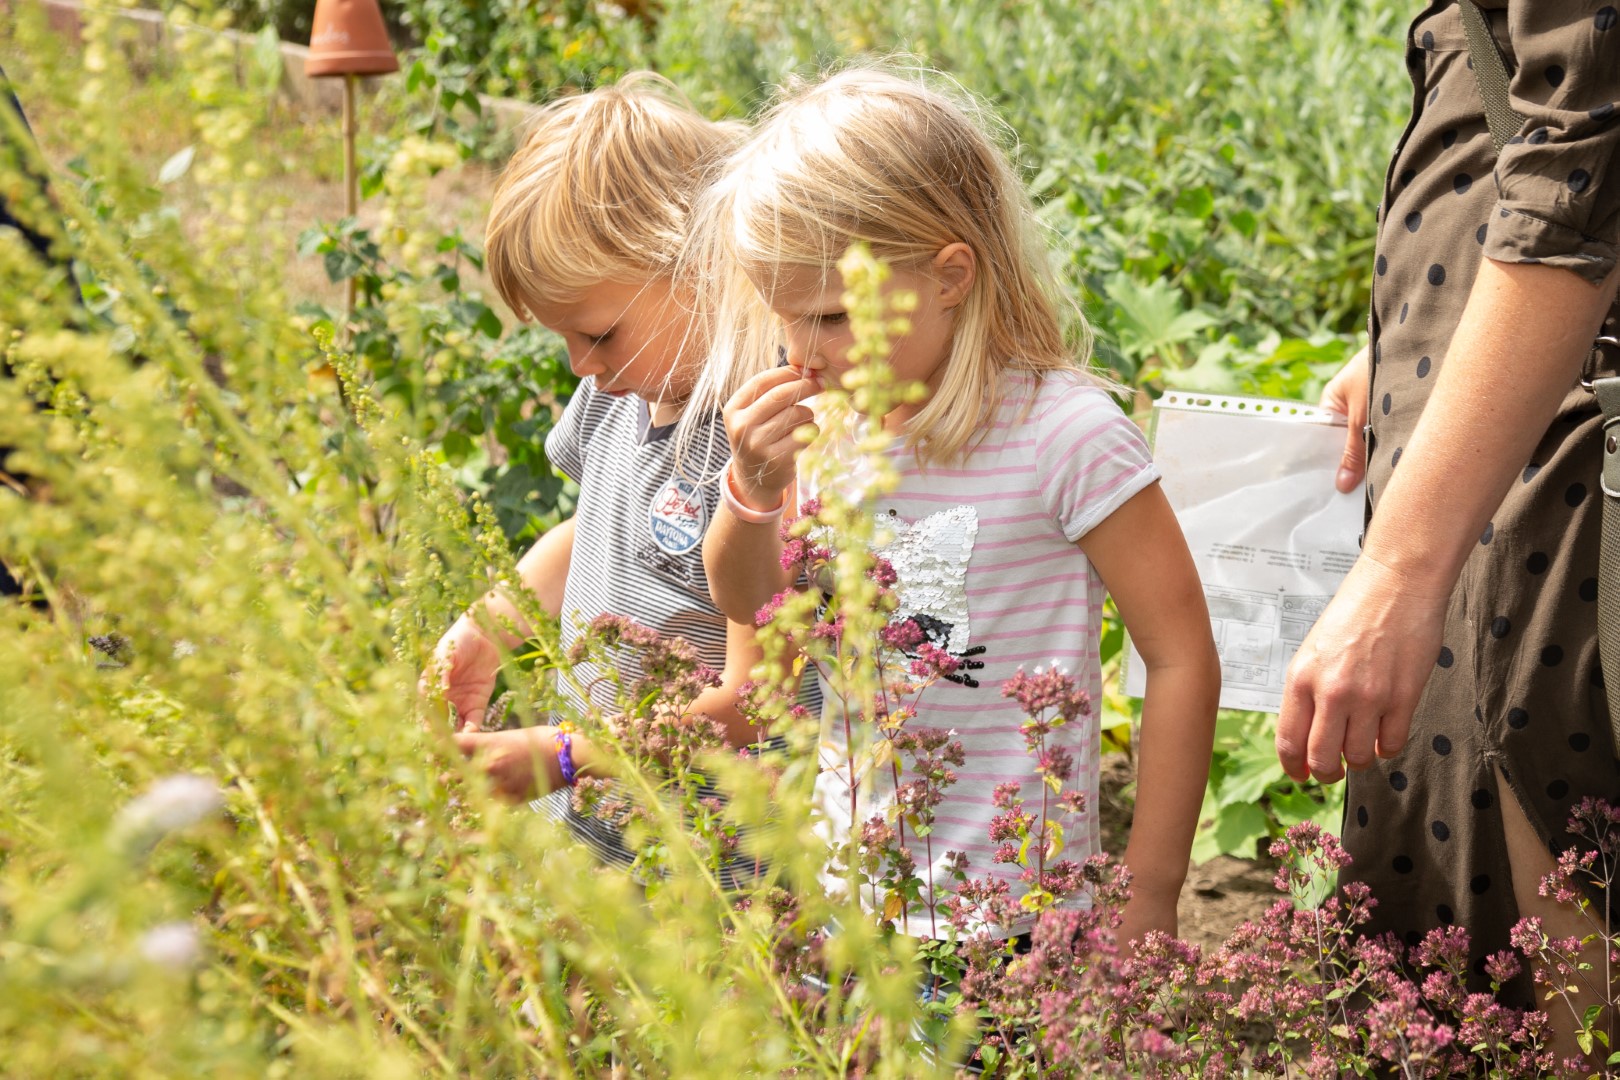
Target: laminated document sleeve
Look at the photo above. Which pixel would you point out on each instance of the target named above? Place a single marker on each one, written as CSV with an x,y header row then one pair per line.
x,y
1251,480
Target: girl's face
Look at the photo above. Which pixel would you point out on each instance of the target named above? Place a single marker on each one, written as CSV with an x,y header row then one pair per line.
x,y
631,335
816,326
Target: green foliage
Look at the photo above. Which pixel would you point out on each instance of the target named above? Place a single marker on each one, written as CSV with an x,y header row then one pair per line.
x,y
276,551
228,848
436,349
1249,800
523,50
1221,162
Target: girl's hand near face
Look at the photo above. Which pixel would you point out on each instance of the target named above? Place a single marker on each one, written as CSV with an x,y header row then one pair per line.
x,y
762,418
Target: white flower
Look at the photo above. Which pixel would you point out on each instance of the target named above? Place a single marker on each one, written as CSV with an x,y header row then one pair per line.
x,y
174,946
172,803
183,649
529,1014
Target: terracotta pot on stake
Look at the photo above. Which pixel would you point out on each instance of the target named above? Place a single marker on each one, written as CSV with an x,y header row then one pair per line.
x,y
348,38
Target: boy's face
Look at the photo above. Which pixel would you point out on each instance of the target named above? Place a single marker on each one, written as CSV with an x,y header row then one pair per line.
x,y
632,336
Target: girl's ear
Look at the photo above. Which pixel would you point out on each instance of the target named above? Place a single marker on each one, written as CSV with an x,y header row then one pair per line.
x,y
955,267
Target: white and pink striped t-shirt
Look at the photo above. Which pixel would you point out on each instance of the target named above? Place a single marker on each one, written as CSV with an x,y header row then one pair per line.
x,y
987,561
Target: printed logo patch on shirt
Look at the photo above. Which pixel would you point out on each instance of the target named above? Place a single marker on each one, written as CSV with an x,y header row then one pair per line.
x,y
678,516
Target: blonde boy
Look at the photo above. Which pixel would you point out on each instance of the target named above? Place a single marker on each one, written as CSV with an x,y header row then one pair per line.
x,y
586,226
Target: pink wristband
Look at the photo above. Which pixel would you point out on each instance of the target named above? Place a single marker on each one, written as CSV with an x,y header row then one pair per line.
x,y
743,512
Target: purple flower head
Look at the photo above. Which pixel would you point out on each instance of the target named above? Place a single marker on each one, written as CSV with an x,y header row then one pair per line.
x,y
933,662
1050,691
765,614
902,635
1057,762
882,573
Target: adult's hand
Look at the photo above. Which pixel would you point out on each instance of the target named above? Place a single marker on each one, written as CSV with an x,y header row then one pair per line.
x,y
1356,680
465,664
1346,394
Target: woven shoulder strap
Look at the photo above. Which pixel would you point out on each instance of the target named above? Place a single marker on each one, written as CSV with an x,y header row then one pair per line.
x,y
1490,71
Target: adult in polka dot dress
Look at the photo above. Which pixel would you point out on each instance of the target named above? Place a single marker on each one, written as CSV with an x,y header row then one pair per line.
x,y
1456,673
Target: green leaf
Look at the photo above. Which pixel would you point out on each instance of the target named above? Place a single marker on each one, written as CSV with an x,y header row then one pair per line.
x,y
1251,770
1238,828
311,240
176,166
267,56
341,265
488,322
457,447
1198,202
1212,373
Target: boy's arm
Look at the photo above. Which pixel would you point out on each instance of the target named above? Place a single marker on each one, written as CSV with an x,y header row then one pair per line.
x,y
720,702
522,763
543,570
1140,553
467,659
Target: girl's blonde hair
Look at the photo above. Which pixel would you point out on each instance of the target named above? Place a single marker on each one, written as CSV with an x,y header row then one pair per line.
x,y
601,190
876,157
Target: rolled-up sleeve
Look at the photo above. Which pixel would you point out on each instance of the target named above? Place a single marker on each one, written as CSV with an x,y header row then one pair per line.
x,y
1558,180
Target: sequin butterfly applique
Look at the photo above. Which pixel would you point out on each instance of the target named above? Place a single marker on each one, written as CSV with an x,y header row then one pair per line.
x,y
930,561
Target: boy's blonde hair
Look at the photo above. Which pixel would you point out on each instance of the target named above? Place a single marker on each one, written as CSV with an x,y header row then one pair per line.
x,y
874,157
601,190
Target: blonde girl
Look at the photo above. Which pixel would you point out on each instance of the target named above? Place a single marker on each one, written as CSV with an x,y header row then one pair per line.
x,y
1019,474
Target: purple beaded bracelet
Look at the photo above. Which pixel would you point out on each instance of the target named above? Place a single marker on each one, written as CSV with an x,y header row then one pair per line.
x,y
565,754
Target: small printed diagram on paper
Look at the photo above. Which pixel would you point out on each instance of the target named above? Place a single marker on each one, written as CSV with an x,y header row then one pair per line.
x,y
1251,481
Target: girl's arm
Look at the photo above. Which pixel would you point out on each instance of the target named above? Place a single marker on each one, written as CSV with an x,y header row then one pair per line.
x,y
743,562
742,558
467,659
1355,682
1140,553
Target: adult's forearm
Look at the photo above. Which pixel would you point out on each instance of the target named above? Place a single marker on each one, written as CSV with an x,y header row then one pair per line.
x,y
1524,336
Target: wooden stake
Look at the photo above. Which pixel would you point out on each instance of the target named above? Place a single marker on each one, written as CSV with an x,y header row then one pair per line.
x,y
351,182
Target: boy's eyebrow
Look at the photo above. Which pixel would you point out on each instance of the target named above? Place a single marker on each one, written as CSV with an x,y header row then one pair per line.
x,y
576,320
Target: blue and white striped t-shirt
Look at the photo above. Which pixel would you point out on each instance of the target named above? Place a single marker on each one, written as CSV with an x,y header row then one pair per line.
x,y
638,552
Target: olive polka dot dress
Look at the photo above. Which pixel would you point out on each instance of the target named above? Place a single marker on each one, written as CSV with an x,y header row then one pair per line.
x,y
1517,686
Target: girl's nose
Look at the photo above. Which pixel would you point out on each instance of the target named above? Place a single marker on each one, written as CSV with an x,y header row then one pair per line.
x,y
800,348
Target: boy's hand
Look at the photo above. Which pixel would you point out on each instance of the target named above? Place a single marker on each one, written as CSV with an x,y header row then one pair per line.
x,y
520,763
761,419
465,663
